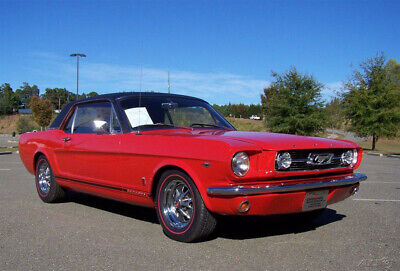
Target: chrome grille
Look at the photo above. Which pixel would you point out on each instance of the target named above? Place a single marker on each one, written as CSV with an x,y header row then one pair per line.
x,y
314,159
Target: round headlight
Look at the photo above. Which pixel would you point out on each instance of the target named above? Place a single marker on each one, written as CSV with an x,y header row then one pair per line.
x,y
349,158
283,160
240,164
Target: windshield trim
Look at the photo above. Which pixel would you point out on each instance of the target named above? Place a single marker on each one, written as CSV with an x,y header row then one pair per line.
x,y
229,127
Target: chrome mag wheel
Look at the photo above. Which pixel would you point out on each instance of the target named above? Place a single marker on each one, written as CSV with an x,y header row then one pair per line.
x,y
177,204
44,177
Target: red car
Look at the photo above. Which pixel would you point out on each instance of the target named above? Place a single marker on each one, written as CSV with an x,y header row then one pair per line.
x,y
178,155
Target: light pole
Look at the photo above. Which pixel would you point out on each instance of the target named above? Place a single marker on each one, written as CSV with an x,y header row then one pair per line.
x,y
77,71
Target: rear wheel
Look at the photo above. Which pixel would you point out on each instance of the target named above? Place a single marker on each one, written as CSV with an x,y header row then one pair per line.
x,y
46,185
181,210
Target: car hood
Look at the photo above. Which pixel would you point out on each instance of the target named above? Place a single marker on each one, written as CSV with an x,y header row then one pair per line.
x,y
274,141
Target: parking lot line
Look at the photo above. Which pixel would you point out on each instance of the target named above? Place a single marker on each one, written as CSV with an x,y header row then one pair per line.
x,y
4,169
390,200
381,182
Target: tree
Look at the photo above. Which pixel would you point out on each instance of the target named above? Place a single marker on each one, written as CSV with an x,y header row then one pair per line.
x,y
292,104
57,96
393,68
334,112
9,101
26,92
254,109
26,124
42,110
94,93
238,110
372,100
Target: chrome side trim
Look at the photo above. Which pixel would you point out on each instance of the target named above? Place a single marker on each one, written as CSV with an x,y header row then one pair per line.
x,y
254,190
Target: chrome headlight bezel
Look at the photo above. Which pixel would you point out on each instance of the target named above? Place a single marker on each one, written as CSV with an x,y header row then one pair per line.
x,y
283,160
240,164
349,158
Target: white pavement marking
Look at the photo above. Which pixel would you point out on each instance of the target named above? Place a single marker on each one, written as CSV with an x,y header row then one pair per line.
x,y
390,200
4,169
381,182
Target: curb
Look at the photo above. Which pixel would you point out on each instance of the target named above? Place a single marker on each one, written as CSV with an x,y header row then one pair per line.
x,y
5,152
394,156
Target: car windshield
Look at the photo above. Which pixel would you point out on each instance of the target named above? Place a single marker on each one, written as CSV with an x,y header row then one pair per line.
x,y
170,112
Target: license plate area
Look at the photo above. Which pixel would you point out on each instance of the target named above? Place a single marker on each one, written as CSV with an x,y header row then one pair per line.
x,y
314,200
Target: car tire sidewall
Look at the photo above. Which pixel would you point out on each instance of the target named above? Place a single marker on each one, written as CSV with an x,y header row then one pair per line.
x,y
188,233
51,194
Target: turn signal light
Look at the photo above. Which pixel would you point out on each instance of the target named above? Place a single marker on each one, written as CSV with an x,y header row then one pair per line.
x,y
244,206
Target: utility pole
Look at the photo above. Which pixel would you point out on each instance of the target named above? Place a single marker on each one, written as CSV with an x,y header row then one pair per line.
x,y
169,86
77,71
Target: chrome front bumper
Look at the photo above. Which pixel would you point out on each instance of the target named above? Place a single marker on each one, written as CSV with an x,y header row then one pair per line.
x,y
267,189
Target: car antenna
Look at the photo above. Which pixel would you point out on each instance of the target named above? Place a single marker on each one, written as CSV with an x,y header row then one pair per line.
x,y
140,96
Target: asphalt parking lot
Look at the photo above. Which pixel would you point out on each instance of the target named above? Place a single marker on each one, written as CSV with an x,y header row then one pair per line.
x,y
88,233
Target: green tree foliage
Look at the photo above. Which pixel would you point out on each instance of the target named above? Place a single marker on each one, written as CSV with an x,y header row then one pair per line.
x,y
26,124
42,110
393,68
239,110
9,101
57,96
372,100
26,92
93,94
292,104
335,115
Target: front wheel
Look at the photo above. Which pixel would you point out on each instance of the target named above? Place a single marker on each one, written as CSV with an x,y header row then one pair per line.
x,y
181,210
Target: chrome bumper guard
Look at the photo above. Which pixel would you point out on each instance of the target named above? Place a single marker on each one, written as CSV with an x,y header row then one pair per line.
x,y
260,189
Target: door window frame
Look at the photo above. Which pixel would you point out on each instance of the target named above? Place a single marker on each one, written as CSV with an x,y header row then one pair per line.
x,y
73,113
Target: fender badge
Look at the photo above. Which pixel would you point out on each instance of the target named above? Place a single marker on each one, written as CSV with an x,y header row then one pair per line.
x,y
206,164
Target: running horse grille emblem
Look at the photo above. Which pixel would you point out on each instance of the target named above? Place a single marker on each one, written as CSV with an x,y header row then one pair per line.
x,y
319,158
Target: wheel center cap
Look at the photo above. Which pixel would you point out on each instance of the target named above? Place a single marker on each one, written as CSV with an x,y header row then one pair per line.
x,y
176,204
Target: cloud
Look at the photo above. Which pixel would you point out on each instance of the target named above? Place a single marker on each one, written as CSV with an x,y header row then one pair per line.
x,y
331,90
52,70
218,88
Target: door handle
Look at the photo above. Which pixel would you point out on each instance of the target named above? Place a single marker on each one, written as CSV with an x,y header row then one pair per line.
x,y
65,139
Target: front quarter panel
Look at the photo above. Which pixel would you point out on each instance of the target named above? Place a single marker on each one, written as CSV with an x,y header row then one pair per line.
x,y
32,144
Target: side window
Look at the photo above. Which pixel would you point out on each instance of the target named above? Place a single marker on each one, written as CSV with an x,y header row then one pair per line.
x,y
93,118
68,125
115,125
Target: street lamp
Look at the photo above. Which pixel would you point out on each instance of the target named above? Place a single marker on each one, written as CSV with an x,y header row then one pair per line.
x,y
77,71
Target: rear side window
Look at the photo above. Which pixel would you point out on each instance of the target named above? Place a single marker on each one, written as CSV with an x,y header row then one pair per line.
x,y
93,118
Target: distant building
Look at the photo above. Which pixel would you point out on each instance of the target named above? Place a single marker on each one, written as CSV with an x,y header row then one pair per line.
x,y
24,111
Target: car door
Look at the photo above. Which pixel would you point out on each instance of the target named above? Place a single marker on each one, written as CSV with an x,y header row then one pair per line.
x,y
92,145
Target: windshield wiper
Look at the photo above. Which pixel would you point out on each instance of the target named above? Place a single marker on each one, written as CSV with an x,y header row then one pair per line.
x,y
159,124
206,125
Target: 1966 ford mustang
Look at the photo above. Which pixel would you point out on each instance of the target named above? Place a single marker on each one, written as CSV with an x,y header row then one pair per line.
x,y
178,155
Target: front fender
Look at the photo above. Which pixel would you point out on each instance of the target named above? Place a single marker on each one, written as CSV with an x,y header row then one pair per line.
x,y
192,168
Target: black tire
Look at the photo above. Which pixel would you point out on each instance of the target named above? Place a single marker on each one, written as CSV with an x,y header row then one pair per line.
x,y
201,222
52,192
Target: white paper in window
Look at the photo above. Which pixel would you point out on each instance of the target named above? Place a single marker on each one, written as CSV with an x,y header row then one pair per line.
x,y
138,116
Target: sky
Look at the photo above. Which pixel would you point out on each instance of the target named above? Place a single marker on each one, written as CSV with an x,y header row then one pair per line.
x,y
221,51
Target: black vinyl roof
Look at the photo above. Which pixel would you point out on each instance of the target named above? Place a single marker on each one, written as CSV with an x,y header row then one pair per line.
x,y
119,95
112,96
